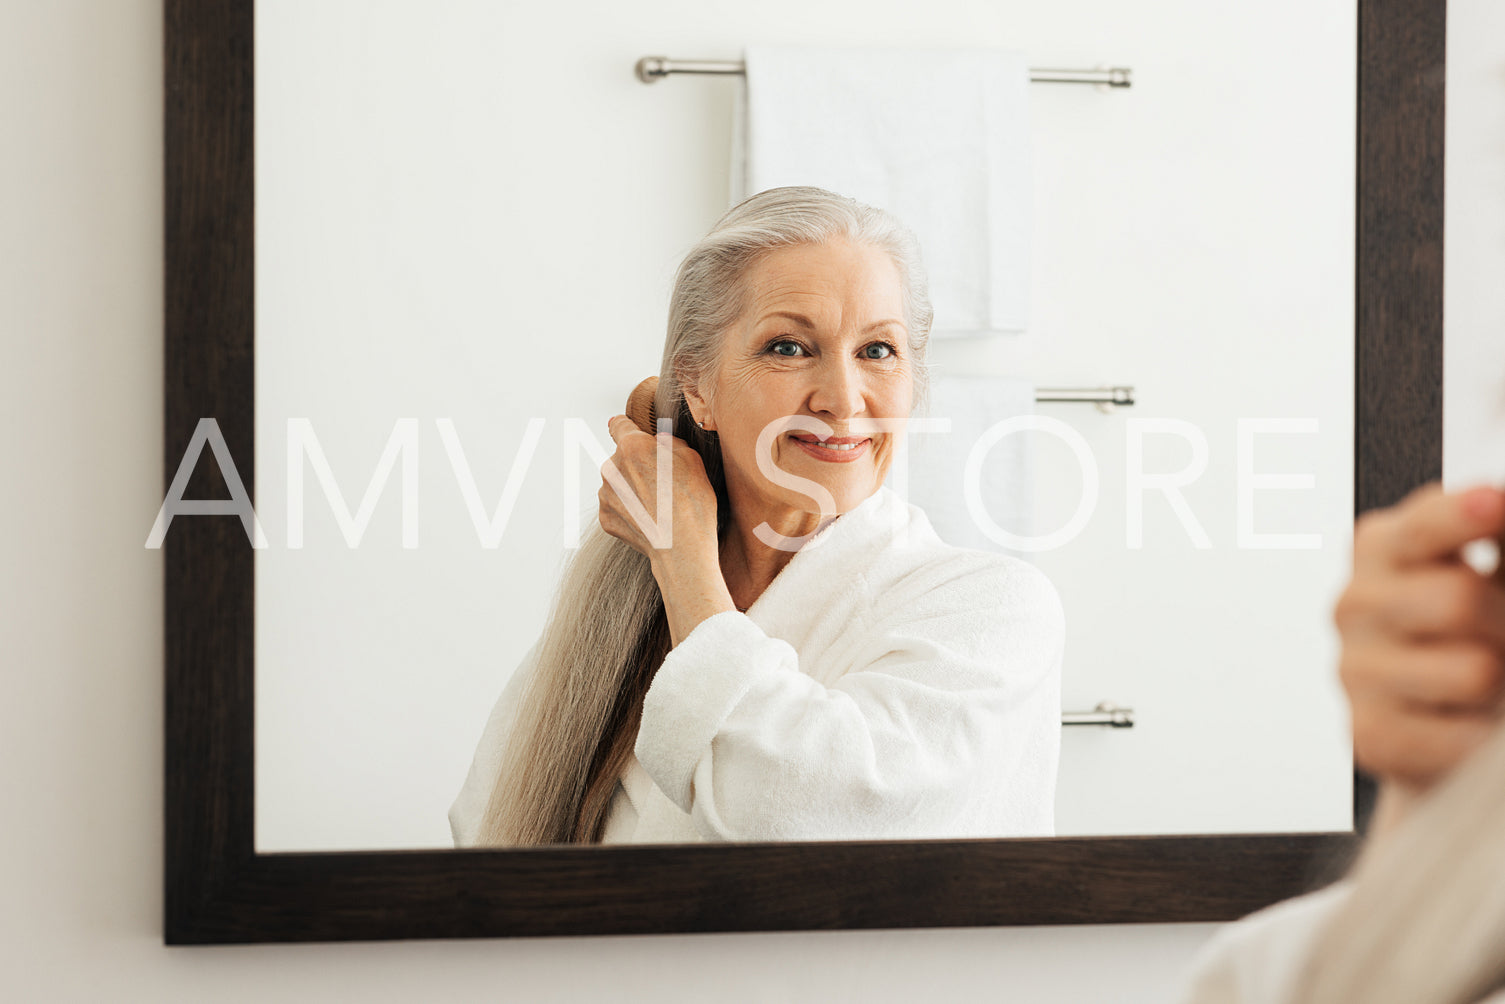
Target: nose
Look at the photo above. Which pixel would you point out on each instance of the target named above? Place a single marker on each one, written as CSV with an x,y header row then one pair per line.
x,y
838,391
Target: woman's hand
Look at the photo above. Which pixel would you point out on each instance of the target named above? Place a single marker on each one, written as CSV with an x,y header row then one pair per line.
x,y
690,525
681,543
1423,639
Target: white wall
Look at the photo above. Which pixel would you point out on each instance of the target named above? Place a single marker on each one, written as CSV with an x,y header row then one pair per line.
x,y
80,599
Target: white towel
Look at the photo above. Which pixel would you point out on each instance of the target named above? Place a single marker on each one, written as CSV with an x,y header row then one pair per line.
x,y
937,461
940,138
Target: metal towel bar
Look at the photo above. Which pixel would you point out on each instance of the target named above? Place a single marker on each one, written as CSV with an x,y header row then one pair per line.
x,y
654,68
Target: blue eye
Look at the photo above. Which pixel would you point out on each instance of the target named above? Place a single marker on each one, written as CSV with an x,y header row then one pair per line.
x,y
778,348
883,350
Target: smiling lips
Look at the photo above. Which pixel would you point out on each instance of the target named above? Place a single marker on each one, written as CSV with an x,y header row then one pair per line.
x,y
833,450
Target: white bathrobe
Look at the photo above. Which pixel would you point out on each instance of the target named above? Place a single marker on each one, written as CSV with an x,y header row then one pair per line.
x,y
885,685
1259,959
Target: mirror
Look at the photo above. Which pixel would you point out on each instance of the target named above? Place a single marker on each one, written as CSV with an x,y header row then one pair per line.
x,y
428,277
221,882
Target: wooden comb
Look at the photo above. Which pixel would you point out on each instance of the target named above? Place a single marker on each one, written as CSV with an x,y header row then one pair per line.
x,y
640,406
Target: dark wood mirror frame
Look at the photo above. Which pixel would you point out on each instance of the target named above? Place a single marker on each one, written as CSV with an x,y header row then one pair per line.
x,y
219,890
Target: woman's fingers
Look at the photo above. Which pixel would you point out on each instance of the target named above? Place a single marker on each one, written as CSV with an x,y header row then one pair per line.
x,y
1446,676
619,426
1429,525
1414,744
1426,602
636,455
631,491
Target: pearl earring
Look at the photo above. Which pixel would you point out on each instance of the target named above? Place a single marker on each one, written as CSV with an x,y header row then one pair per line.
x,y
700,423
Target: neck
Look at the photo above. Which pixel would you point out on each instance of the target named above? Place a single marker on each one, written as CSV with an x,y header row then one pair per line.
x,y
748,564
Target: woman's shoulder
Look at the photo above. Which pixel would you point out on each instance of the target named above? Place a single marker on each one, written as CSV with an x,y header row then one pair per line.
x,y
998,614
930,572
1259,959
922,555
904,572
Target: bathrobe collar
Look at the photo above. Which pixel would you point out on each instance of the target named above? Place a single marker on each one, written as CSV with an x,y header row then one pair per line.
x,y
841,548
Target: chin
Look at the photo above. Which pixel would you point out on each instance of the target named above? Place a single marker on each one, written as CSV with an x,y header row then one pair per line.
x,y
851,490
850,485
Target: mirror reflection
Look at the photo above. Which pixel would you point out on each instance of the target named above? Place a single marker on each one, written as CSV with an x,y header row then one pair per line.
x,y
904,553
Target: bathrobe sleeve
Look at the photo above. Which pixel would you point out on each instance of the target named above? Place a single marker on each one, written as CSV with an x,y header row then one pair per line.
x,y
951,711
1259,959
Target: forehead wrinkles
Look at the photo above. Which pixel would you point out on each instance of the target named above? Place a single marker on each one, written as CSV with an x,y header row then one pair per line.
x,y
823,306
846,288
798,284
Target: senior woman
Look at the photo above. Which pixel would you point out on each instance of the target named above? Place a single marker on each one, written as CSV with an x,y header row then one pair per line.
x,y
802,658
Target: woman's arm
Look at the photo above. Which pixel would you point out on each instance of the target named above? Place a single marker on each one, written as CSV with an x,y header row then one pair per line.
x,y
692,586
953,718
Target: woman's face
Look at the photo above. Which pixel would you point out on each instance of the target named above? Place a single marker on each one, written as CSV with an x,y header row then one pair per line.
x,y
822,339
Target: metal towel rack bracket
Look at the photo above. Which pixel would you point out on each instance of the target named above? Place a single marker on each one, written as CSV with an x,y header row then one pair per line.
x,y
654,68
1106,714
1107,399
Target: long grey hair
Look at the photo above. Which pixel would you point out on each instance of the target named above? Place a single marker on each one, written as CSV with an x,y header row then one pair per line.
x,y
607,634
1425,918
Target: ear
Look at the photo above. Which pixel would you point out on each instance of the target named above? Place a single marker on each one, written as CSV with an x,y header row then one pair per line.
x,y
700,408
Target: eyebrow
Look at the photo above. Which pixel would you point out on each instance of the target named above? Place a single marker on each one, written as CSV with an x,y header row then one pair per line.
x,y
804,321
